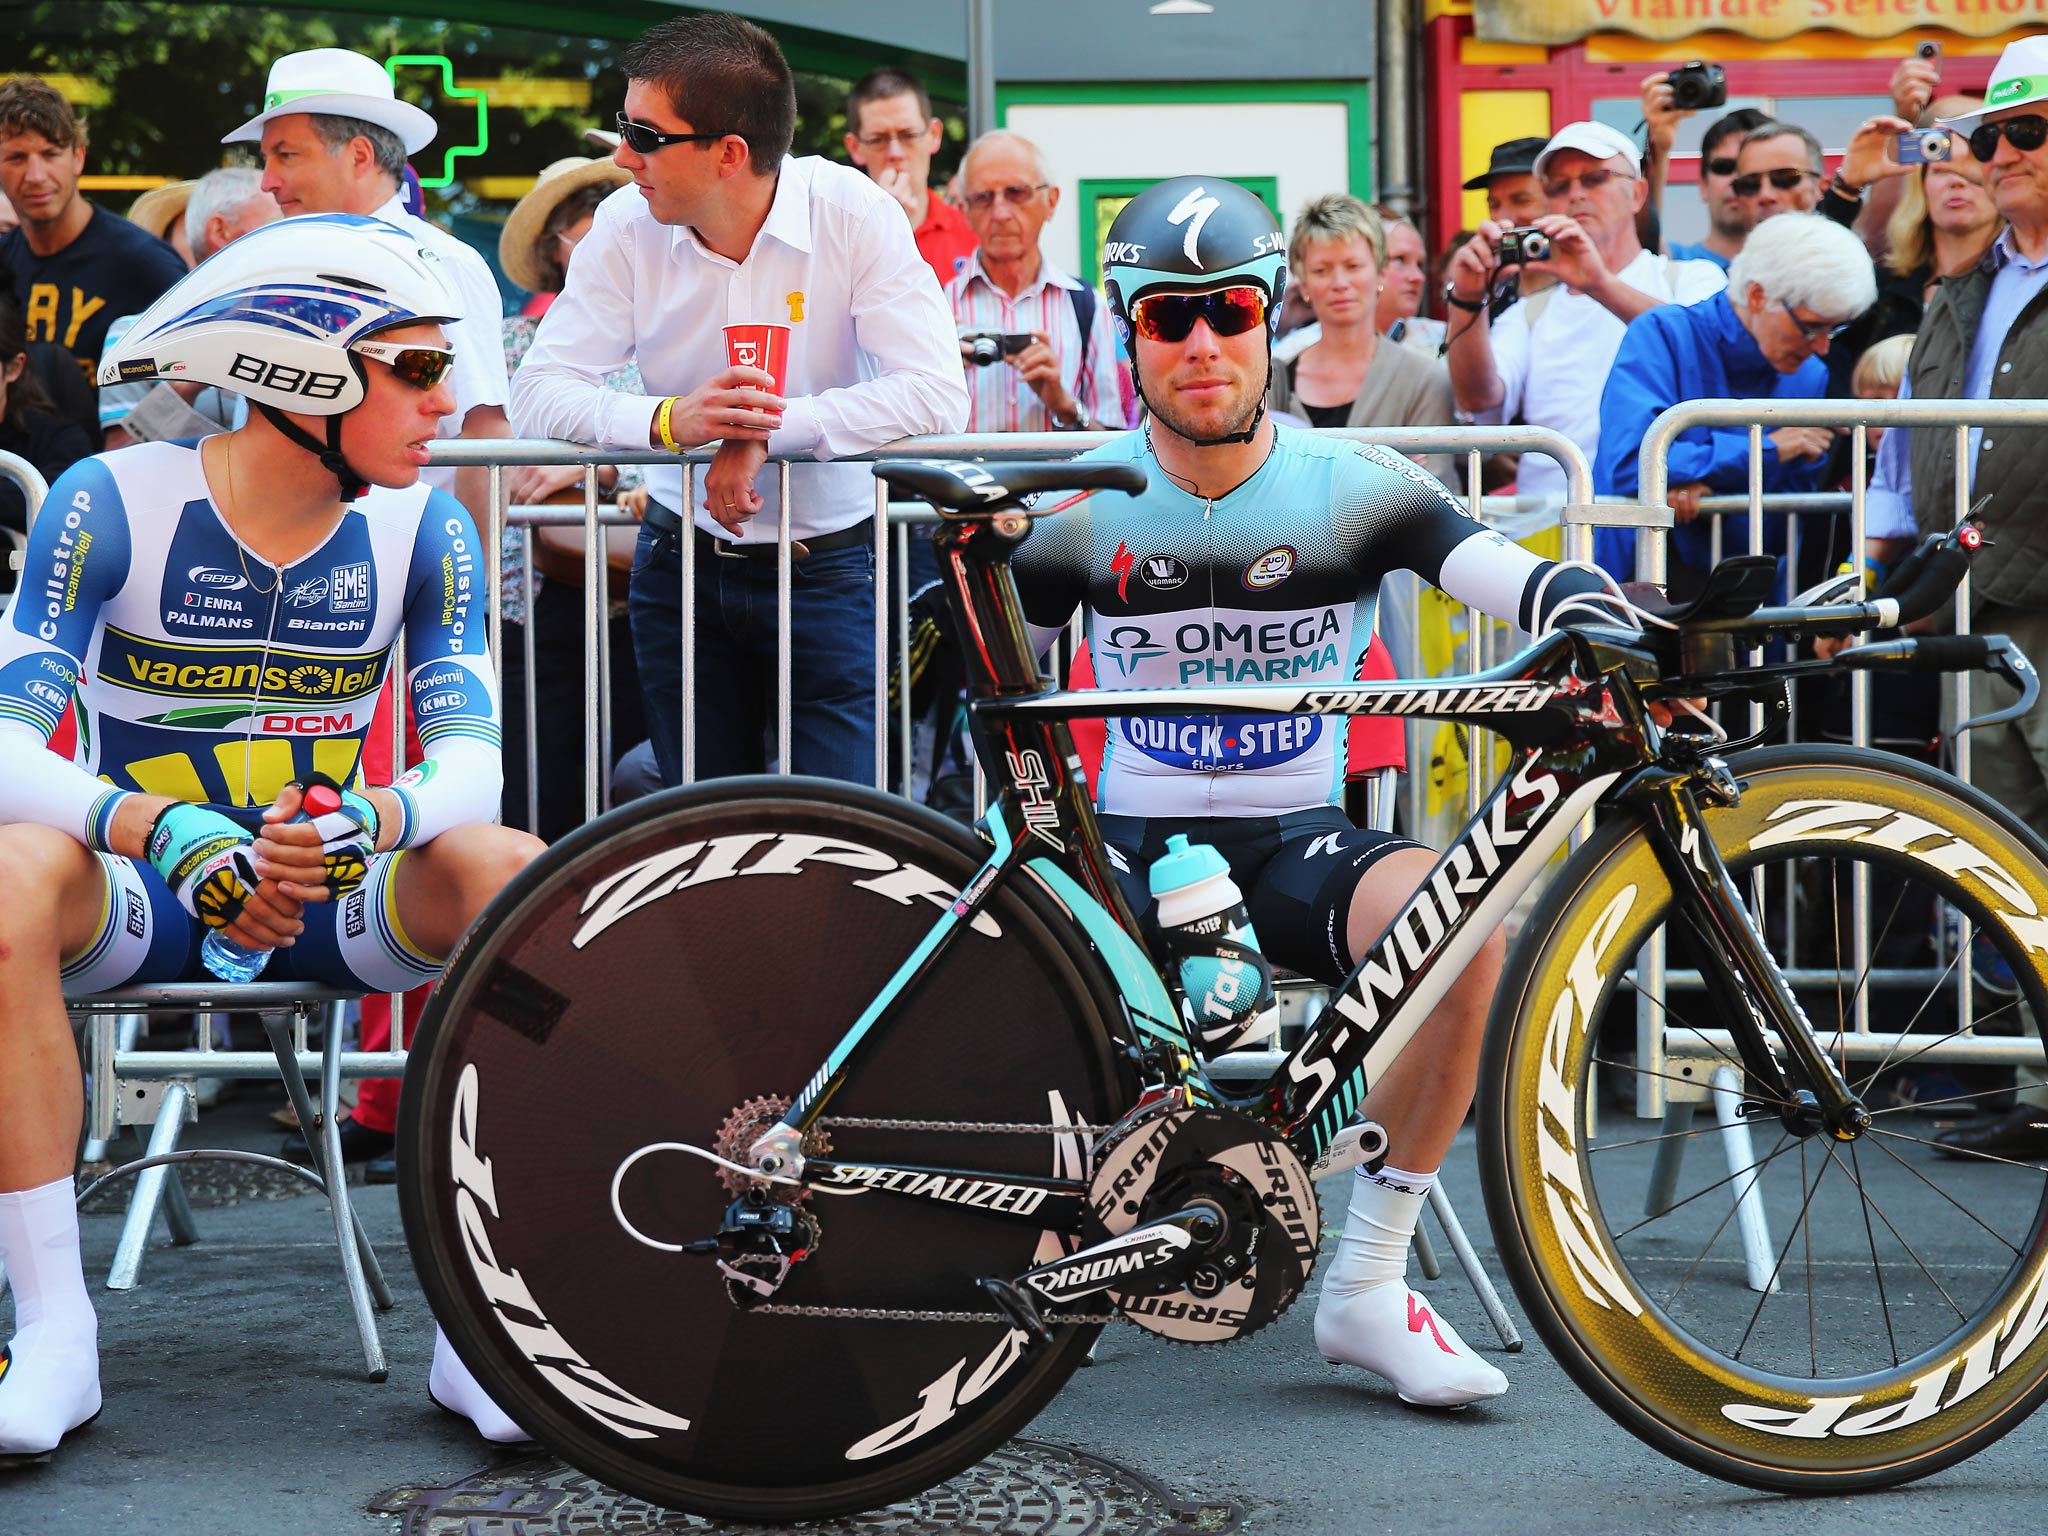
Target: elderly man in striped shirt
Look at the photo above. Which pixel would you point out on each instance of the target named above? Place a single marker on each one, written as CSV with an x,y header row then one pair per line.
x,y
1066,376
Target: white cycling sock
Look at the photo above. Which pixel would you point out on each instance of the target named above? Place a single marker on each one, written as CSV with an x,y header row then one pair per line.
x,y
451,1385
1367,1315
50,1382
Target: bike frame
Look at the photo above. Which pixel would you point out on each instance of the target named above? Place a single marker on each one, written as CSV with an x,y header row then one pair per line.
x,y
1578,728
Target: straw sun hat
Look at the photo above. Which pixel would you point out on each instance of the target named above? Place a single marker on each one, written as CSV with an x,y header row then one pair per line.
x,y
160,209
529,219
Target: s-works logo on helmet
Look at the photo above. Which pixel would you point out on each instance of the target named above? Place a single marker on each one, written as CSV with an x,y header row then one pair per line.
x,y
1197,205
287,379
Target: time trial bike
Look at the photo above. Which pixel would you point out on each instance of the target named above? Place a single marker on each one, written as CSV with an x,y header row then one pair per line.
x,y
776,1148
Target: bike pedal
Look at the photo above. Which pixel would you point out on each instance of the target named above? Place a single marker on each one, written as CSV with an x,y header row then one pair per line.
x,y
1019,1308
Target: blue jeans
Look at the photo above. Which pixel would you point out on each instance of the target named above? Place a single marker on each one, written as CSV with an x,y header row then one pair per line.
x,y
832,668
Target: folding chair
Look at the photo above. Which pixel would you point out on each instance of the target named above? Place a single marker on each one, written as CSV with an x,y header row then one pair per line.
x,y
1376,755
155,1088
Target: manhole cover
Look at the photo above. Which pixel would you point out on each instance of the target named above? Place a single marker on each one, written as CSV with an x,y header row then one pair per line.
x,y
210,1183
1025,1489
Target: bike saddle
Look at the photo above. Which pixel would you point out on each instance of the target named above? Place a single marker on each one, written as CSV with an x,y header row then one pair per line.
x,y
958,486
1734,588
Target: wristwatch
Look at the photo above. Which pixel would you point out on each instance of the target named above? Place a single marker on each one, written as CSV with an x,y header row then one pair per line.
x,y
1843,190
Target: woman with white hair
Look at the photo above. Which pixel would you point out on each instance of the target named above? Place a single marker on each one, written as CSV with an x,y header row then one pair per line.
x,y
1799,281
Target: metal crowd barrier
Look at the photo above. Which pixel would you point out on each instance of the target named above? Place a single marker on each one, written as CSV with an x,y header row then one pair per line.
x,y
12,545
1578,516
1679,1069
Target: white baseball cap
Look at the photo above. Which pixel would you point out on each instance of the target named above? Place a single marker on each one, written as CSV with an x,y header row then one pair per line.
x,y
2020,77
1595,139
337,83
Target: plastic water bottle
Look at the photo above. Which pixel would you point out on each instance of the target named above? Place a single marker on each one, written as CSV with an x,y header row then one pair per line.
x,y
232,962
1199,901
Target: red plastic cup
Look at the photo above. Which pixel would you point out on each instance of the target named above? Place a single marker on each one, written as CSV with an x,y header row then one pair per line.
x,y
764,346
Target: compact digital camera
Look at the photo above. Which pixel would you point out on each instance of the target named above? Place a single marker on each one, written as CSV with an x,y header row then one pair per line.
x,y
1923,146
1520,245
985,348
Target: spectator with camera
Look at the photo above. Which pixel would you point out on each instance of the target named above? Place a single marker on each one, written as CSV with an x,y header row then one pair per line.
x,y
1665,106
1037,344
892,134
1543,358
1353,376
1795,284
1980,340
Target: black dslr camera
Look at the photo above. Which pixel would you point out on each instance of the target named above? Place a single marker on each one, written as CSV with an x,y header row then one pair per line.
x,y
1696,85
1520,245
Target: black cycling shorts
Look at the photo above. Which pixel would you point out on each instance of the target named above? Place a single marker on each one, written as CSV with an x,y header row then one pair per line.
x,y
1297,873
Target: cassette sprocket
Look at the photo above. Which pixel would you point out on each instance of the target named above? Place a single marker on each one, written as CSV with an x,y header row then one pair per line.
x,y
746,1125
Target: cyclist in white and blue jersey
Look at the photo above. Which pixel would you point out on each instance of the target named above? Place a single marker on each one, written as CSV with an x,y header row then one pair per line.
x,y
1255,555
221,615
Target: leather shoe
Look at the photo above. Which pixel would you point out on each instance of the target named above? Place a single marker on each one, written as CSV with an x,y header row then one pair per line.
x,y
359,1144
2020,1133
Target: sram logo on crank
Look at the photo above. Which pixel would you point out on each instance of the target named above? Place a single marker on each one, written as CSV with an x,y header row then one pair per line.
x,y
1175,1159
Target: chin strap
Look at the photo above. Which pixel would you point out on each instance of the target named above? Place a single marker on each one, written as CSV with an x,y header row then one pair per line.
x,y
1258,411
328,453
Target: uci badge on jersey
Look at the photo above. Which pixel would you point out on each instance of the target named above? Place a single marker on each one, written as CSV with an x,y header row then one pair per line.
x,y
1270,569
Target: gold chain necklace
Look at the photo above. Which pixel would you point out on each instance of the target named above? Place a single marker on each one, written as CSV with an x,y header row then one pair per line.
x,y
228,480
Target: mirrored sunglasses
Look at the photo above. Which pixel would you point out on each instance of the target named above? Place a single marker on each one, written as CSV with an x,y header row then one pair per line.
x,y
421,367
1171,316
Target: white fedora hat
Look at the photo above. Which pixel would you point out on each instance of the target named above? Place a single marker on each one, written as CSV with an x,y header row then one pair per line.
x,y
337,83
2021,77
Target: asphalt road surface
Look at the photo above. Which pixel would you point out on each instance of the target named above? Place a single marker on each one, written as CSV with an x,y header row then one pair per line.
x,y
236,1407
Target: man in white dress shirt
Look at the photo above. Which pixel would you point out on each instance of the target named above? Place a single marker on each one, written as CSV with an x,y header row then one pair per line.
x,y
334,138
1544,360
722,227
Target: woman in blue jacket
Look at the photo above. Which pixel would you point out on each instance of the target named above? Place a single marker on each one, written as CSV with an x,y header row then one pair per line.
x,y
1799,280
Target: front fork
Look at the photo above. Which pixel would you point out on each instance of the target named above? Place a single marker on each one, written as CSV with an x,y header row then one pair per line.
x,y
1741,974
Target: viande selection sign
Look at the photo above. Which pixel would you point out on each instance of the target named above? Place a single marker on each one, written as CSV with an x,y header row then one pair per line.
x,y
1566,21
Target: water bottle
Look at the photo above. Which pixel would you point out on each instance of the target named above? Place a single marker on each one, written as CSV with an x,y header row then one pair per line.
x,y
232,962
1198,904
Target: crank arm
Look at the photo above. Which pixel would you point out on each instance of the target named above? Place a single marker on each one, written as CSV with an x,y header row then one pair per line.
x,y
1151,1246
1361,1145
1054,1204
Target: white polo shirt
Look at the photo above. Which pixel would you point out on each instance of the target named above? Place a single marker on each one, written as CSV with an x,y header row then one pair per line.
x,y
872,354
478,338
1554,377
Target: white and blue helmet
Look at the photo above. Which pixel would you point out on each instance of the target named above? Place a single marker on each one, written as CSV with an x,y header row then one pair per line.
x,y
275,317
272,316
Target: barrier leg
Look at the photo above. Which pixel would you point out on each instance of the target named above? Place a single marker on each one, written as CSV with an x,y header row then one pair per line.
x,y
149,1190
127,1028
1670,1153
1750,1221
1468,1260
1425,1255
178,1210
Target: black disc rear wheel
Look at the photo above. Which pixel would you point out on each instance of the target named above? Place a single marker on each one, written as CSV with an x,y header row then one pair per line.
x,y
645,981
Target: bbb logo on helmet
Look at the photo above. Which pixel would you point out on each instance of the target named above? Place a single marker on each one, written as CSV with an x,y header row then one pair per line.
x,y
286,379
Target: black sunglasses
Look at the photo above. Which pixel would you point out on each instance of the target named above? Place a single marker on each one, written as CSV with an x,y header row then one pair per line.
x,y
1784,178
2024,133
1171,316
643,140
1720,165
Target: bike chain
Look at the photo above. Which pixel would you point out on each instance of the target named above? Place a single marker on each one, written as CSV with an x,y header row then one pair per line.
x,y
900,1315
903,1315
973,1127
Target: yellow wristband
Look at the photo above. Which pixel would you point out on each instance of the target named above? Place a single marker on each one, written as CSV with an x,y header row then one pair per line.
x,y
661,424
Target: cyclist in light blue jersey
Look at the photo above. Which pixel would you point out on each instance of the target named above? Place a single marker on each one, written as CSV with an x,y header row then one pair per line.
x,y
221,615
1256,555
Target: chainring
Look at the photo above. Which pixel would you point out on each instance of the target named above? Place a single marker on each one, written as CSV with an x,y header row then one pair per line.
x,y
746,1125
1168,1158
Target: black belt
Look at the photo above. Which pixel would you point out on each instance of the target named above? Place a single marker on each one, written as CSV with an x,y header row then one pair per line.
x,y
664,520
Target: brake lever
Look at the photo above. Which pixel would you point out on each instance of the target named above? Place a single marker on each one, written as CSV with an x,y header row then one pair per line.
x,y
2010,663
